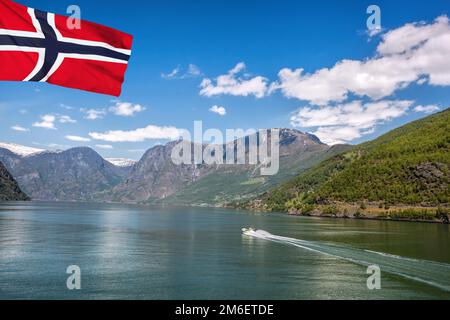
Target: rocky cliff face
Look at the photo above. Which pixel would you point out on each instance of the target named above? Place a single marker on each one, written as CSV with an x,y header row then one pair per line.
x,y
155,176
226,184
9,189
75,174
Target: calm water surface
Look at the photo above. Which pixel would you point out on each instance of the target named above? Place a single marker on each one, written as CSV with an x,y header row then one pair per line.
x,y
132,252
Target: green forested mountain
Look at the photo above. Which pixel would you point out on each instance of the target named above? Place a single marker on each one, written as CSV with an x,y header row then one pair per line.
x,y
408,166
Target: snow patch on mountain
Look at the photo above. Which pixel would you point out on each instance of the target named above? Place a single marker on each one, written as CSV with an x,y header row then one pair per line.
x,y
20,150
121,162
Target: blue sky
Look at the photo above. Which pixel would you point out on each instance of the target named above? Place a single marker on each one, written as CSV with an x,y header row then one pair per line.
x,y
213,37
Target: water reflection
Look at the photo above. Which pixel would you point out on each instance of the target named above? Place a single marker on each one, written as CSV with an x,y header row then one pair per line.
x,y
132,252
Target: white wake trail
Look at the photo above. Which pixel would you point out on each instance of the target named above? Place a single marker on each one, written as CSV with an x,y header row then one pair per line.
x,y
432,273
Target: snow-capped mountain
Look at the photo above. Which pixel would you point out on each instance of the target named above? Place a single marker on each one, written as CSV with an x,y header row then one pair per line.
x,y
25,151
20,150
121,162
74,174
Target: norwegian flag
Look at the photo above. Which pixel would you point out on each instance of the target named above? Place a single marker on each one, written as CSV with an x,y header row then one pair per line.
x,y
39,46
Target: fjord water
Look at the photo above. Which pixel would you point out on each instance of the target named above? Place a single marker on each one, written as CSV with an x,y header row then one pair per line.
x,y
137,252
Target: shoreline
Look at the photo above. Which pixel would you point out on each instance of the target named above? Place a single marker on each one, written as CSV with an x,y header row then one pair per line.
x,y
399,213
314,214
372,218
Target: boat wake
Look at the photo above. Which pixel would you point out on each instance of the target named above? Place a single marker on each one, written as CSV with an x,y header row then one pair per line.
x,y
432,273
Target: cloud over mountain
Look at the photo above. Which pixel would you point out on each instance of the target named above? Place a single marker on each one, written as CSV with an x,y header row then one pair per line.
x,y
414,52
345,122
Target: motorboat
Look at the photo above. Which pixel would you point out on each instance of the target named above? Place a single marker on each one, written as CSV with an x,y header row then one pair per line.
x,y
247,230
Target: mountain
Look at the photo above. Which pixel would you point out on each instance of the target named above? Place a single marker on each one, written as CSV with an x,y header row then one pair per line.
x,y
155,176
409,166
156,179
9,189
73,175
21,150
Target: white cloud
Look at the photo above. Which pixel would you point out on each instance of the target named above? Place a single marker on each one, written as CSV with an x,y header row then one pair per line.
x,y
19,128
376,79
411,35
150,132
221,111
171,75
346,122
64,106
93,114
427,109
77,138
48,122
104,146
338,135
126,109
192,71
234,85
66,119
404,56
